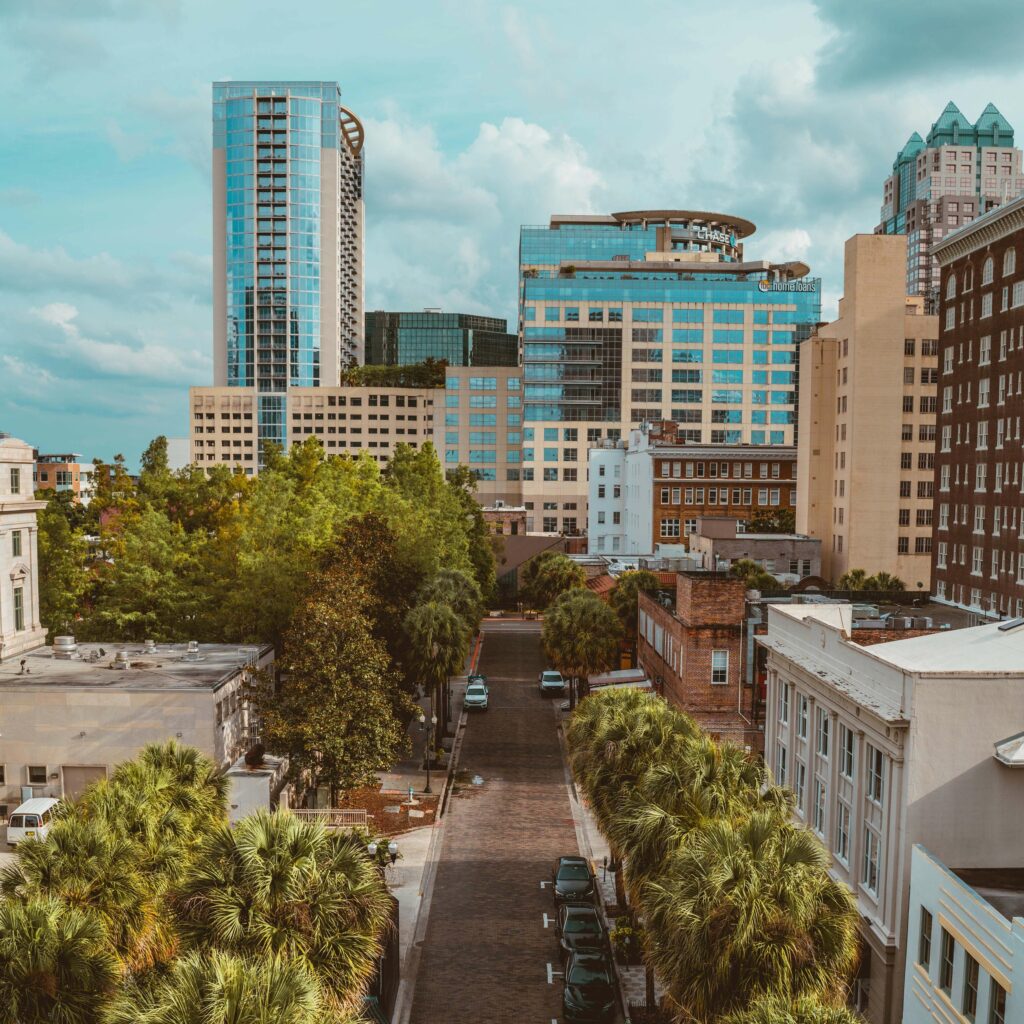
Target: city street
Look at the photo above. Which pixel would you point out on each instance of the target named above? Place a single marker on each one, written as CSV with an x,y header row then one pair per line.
x,y
486,952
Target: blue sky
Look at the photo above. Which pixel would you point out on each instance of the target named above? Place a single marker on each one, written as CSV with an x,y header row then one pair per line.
x,y
479,116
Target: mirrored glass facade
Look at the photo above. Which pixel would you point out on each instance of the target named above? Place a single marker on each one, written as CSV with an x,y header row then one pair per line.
x,y
461,339
288,236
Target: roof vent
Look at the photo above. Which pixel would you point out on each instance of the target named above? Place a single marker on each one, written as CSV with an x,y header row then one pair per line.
x,y
149,647
1005,627
65,648
122,661
192,654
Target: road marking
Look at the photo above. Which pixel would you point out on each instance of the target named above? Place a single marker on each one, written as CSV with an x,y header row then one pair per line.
x,y
543,884
546,921
552,974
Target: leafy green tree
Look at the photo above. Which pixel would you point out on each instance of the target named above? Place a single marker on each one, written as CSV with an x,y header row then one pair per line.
x,y
749,910
55,967
335,713
549,574
152,590
437,643
481,542
64,503
753,575
805,1010
779,520
221,988
155,479
275,886
581,636
885,581
63,577
625,599
460,592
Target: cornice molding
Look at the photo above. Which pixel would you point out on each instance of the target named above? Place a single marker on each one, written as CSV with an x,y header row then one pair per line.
x,y
993,227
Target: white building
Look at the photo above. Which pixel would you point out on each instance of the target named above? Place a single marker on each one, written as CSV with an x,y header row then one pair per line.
x,y
606,530
20,629
965,943
891,745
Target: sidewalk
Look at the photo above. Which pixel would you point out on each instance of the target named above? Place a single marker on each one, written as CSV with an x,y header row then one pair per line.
x,y
632,978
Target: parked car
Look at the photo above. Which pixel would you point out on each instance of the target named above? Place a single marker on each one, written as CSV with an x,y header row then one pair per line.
x,y
476,677
476,695
580,927
572,881
31,820
589,993
551,682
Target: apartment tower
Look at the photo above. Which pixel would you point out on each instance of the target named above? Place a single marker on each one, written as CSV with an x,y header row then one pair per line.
x,y
979,536
866,449
287,240
960,170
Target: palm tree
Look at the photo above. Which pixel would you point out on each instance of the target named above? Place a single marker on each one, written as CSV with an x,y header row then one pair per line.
x,y
459,591
55,967
853,579
277,887
437,641
885,581
219,988
806,1010
581,636
749,910
547,575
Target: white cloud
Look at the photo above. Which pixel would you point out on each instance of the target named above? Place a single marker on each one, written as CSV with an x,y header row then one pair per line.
x,y
443,230
127,146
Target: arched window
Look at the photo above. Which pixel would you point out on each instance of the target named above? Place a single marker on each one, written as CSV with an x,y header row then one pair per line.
x,y
987,270
968,278
951,286
1009,262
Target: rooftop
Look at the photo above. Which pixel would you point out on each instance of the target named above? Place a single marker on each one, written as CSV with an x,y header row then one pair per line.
x,y
997,647
162,667
1002,888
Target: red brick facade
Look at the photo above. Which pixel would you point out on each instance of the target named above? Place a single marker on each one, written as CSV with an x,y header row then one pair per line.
x,y
694,652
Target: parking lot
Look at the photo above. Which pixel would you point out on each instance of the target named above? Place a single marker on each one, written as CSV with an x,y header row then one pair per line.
x,y
487,955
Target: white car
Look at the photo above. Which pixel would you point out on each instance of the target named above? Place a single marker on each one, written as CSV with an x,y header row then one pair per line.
x,y
551,682
476,696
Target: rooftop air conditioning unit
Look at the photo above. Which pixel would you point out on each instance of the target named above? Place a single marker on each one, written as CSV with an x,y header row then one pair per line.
x,y
65,648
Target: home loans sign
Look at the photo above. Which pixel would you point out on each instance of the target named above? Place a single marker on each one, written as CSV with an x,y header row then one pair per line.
x,y
811,284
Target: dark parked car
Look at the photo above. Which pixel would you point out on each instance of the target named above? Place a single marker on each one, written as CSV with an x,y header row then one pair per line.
x,y
589,993
580,928
572,881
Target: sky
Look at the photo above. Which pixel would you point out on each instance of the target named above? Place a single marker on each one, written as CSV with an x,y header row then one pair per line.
x,y
480,116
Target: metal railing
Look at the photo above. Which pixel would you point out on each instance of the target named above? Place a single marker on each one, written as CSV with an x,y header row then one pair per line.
x,y
333,817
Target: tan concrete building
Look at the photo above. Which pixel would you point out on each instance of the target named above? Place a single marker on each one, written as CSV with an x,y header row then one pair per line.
x,y
70,713
866,446
347,420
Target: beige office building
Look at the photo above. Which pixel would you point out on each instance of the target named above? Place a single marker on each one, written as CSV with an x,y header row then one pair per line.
x,y
347,420
867,402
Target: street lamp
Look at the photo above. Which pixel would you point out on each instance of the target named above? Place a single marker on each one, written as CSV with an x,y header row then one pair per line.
x,y
430,743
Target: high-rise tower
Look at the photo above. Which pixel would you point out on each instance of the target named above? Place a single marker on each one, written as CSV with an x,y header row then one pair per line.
x,y
287,239
958,172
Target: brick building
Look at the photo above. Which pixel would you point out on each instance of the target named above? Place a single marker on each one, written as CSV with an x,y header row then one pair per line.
x,y
690,643
978,556
667,484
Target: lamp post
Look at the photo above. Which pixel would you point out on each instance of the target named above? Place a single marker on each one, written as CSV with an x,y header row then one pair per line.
x,y
430,743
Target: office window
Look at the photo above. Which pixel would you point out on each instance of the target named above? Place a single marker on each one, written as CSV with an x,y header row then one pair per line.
x,y
819,807
846,747
780,765
872,853
947,952
784,703
16,480
842,843
824,725
719,667
875,774
969,1005
16,543
37,774
799,784
996,1003
19,609
802,708
924,942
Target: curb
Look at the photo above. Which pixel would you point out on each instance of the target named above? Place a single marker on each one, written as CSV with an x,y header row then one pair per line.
x,y
410,969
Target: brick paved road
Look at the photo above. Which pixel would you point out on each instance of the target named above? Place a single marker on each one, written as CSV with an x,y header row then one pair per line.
x,y
486,949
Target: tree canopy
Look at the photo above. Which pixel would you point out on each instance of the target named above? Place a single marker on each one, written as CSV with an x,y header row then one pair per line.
x,y
548,575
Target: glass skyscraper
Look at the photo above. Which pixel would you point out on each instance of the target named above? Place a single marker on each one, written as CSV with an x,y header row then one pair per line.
x,y
461,339
648,316
288,239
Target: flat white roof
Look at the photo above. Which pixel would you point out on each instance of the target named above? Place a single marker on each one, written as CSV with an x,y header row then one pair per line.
x,y
976,650
37,805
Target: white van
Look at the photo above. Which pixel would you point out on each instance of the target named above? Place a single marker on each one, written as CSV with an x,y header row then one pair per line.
x,y
31,820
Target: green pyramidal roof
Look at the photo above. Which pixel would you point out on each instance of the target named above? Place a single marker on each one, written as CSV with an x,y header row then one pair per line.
x,y
914,146
991,116
992,128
